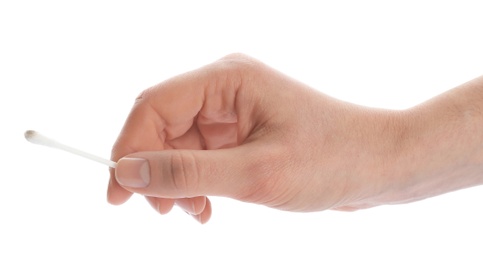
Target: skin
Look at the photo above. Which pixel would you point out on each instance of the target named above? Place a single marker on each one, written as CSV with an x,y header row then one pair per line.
x,y
240,129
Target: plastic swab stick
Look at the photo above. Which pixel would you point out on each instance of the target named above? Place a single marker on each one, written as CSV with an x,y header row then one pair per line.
x,y
37,138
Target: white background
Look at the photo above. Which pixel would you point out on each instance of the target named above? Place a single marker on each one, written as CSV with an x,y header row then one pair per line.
x,y
72,71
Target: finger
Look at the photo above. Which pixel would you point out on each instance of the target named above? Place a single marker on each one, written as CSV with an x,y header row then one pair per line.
x,y
233,172
199,207
204,216
193,206
161,205
116,194
130,141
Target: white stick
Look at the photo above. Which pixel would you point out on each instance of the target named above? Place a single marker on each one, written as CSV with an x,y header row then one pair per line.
x,y
37,138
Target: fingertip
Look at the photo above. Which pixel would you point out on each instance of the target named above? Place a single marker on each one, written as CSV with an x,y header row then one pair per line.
x,y
116,195
199,204
162,206
193,206
205,216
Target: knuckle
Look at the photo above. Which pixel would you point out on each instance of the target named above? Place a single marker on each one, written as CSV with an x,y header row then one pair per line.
x,y
236,57
268,172
234,70
184,173
236,62
144,96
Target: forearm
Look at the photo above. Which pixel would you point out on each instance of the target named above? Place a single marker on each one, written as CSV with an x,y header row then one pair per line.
x,y
442,149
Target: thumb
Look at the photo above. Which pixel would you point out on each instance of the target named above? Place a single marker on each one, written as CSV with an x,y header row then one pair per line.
x,y
187,173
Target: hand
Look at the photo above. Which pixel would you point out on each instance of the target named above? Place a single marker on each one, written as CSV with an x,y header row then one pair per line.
x,y
239,129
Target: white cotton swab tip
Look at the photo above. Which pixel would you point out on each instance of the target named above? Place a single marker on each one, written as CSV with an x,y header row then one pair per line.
x,y
37,138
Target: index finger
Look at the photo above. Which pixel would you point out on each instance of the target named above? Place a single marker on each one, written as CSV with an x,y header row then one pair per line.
x,y
147,128
180,114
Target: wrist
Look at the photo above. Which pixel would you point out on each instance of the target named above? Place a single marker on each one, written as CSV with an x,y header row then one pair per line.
x,y
441,148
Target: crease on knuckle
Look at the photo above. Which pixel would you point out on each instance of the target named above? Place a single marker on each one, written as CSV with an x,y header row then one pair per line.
x,y
184,173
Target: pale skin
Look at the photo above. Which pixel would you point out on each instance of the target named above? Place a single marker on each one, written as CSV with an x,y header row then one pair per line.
x,y
240,129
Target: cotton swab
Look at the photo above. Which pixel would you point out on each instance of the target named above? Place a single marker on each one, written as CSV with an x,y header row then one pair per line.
x,y
37,138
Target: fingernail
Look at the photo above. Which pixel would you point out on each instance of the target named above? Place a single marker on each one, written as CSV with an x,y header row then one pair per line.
x,y
187,205
193,209
133,172
196,217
